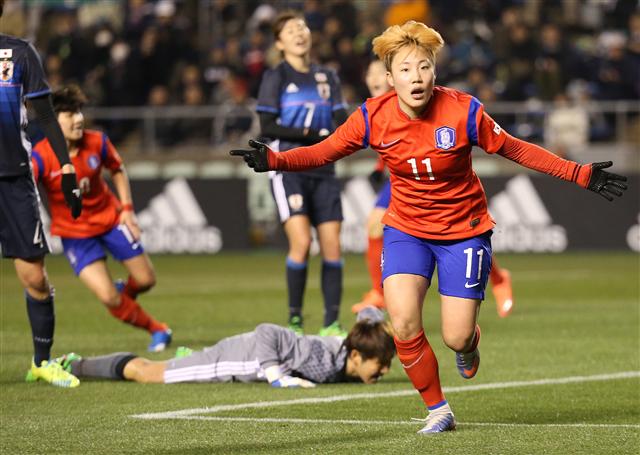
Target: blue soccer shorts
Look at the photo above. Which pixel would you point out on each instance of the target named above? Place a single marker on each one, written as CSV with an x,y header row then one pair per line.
x,y
384,196
316,197
463,265
118,241
21,231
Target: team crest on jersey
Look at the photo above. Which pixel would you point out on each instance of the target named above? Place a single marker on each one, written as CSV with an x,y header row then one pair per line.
x,y
6,70
93,161
295,201
445,138
322,84
321,77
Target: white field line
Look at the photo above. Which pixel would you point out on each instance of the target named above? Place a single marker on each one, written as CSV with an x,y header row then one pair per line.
x,y
401,422
399,393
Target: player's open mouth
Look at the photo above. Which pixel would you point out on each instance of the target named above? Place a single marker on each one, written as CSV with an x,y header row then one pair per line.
x,y
418,93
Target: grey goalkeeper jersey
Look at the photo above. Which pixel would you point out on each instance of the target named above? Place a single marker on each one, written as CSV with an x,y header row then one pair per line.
x,y
244,358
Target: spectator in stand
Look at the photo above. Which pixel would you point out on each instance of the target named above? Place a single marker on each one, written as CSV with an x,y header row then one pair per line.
x,y
216,70
165,128
238,118
566,131
551,64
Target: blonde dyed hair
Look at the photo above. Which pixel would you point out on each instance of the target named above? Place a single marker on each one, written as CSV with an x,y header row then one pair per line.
x,y
411,33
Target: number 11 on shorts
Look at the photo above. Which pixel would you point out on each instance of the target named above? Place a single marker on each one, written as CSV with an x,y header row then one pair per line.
x,y
469,253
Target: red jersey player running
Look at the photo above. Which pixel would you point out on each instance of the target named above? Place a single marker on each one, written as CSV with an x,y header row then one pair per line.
x,y
500,278
107,223
438,212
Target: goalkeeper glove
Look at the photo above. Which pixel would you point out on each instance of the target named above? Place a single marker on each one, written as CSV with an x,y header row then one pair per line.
x,y
256,158
72,193
291,382
606,184
277,379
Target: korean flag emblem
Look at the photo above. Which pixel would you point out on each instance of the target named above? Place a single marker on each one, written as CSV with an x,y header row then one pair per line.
x,y
445,138
6,70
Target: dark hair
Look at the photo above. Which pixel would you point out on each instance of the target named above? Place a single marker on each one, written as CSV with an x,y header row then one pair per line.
x,y
283,18
68,99
373,340
1,7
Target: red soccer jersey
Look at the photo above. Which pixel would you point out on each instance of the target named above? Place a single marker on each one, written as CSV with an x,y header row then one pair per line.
x,y
434,192
100,207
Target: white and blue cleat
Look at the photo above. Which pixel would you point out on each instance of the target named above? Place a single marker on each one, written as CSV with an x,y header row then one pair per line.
x,y
439,420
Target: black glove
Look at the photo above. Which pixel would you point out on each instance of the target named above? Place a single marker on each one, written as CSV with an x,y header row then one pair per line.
x,y
72,194
606,184
255,158
376,177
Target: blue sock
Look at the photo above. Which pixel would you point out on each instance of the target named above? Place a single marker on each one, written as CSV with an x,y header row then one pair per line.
x,y
331,290
296,283
43,321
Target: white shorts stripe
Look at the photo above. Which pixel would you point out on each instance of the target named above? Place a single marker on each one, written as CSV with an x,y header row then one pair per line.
x,y
211,371
281,197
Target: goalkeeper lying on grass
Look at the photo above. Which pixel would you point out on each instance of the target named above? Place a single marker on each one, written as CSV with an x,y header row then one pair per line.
x,y
269,353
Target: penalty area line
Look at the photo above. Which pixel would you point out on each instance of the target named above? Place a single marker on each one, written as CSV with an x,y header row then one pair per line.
x,y
401,422
398,393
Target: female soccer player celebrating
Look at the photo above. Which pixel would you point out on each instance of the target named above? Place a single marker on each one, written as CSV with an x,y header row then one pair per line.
x,y
106,223
438,212
500,279
299,103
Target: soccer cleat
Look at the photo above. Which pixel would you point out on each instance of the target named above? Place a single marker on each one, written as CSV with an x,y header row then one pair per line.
x,y
183,351
160,340
469,362
503,293
295,324
66,360
53,373
439,420
372,298
333,330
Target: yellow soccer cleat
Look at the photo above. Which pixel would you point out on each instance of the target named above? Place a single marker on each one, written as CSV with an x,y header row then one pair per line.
x,y
53,373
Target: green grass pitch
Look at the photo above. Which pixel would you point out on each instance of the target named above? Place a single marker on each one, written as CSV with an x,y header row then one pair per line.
x,y
576,315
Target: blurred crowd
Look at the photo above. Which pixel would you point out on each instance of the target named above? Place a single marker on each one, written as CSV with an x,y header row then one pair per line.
x,y
213,52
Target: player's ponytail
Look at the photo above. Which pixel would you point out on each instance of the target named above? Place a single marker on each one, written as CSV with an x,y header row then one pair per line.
x,y
372,339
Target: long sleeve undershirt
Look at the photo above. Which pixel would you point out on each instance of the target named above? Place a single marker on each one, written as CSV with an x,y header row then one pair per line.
x,y
48,122
522,152
270,128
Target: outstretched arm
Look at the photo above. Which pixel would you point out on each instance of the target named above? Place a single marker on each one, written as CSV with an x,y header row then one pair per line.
x,y
494,139
347,139
589,176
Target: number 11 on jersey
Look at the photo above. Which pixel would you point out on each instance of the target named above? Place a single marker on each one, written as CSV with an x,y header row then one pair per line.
x,y
414,168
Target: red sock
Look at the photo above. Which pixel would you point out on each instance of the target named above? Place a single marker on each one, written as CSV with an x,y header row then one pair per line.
x,y
494,275
374,252
421,365
475,341
130,312
131,288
